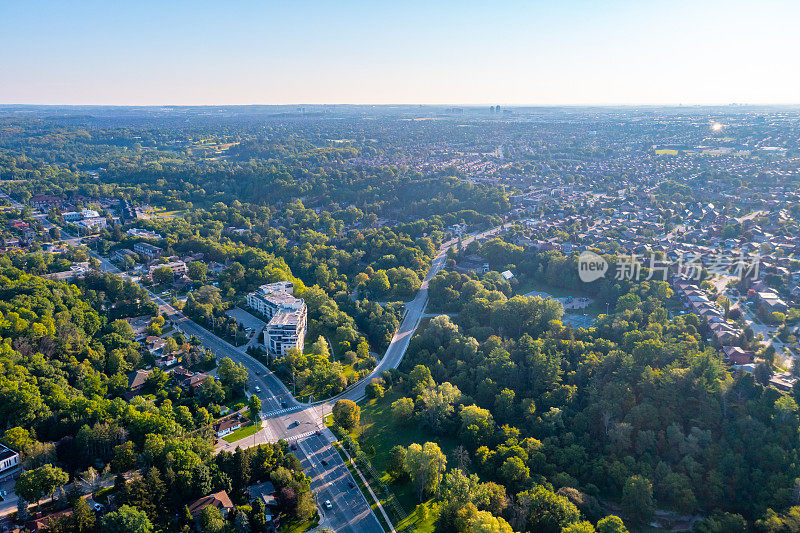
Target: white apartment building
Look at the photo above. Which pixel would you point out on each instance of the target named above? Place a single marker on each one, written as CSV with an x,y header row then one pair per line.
x,y
274,297
143,233
74,216
287,316
285,330
9,461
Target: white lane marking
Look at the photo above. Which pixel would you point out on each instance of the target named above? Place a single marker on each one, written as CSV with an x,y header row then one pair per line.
x,y
309,455
283,411
301,436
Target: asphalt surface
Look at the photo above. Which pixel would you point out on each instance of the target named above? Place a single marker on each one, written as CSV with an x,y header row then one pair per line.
x,y
332,482
302,424
414,313
296,423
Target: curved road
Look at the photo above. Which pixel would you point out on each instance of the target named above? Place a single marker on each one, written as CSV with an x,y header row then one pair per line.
x,y
301,424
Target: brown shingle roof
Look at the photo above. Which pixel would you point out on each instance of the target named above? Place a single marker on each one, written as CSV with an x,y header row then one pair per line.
x,y
220,500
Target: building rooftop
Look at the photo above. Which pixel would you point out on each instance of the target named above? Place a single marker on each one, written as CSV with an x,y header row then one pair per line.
x,y
220,500
5,453
286,318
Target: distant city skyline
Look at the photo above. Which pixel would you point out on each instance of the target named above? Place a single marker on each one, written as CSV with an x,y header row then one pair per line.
x,y
515,53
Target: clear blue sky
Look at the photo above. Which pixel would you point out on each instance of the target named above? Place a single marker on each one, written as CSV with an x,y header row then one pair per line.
x,y
459,52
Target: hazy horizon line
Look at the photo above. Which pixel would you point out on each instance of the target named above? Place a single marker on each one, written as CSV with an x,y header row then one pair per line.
x,y
396,104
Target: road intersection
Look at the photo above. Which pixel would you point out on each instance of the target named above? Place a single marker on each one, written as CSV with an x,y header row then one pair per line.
x,y
301,424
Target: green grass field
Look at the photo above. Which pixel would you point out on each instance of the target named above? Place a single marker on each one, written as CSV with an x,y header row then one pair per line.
x,y
296,526
242,433
377,435
530,285
160,212
421,521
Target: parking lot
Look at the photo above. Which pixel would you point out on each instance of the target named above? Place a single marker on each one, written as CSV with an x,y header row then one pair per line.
x,y
247,320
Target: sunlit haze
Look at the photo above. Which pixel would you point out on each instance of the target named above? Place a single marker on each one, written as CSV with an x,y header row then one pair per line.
x,y
512,53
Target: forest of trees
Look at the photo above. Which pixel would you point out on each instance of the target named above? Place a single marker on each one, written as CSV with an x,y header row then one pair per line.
x,y
566,420
558,429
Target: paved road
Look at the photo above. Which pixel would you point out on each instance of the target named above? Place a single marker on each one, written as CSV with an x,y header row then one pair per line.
x,y
414,313
286,418
332,482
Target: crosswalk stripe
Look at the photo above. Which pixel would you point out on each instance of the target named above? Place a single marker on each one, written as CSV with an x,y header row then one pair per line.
x,y
282,411
301,436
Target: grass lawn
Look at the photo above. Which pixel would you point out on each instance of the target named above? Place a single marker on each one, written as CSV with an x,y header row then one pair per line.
x,y
378,432
241,433
530,285
594,309
297,526
160,212
417,523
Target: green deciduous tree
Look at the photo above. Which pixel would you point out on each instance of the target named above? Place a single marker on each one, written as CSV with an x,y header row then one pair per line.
x,y
425,465
346,414
232,375
637,499
254,404
548,512
403,410
34,484
163,274
127,519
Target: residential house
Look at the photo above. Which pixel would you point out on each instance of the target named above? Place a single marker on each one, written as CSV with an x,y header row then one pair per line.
x,y
783,381
136,382
43,523
220,500
44,202
167,360
266,493
736,356
770,302
76,271
473,263
227,426
155,344
189,380
725,334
